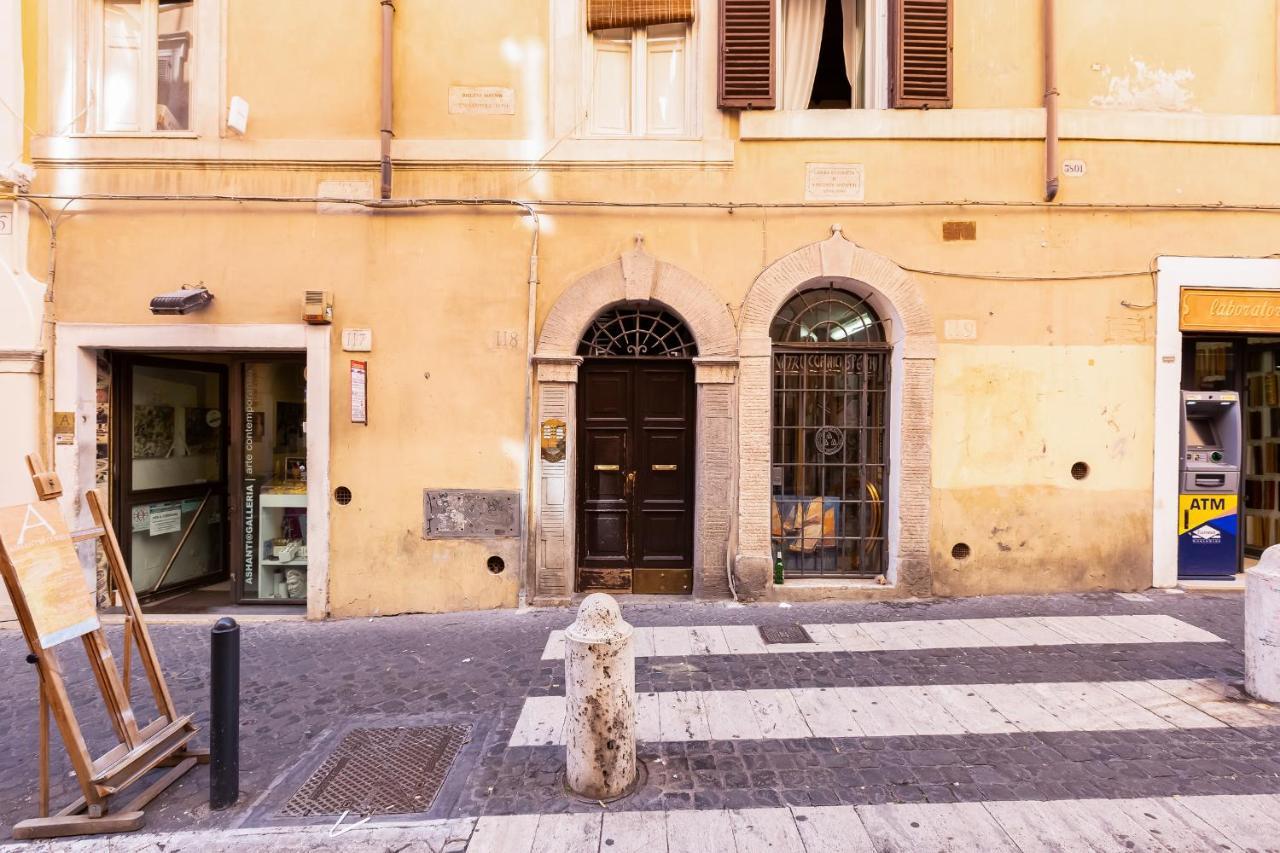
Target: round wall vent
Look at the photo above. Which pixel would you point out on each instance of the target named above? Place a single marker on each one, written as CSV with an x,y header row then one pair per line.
x,y
496,565
342,495
960,551
1080,470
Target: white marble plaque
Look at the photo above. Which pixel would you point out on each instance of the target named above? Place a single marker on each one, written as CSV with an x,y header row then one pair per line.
x,y
482,100
833,182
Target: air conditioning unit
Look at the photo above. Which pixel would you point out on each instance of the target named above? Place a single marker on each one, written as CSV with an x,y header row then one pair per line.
x,y
317,307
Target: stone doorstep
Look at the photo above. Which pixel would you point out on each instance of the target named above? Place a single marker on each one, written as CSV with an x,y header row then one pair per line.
x,y
1236,584
817,589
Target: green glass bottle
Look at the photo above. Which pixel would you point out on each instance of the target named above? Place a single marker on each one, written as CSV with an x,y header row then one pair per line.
x,y
777,569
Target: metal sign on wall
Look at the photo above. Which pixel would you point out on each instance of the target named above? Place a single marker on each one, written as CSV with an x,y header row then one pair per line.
x,y
553,440
470,514
1220,310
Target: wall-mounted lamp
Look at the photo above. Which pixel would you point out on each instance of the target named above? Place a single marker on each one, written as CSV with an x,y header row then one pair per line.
x,y
192,297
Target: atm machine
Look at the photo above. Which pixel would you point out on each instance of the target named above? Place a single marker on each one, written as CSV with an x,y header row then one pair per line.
x,y
1209,485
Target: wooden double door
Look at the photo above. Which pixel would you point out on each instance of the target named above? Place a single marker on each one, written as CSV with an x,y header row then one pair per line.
x,y
635,476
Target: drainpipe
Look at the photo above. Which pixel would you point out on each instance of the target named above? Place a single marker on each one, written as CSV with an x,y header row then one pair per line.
x,y
528,550
1050,104
388,21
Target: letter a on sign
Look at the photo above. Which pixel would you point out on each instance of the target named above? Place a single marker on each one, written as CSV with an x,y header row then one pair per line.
x,y
38,558
28,524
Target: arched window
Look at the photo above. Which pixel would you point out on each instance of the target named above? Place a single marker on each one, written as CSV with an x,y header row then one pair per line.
x,y
637,331
827,316
831,360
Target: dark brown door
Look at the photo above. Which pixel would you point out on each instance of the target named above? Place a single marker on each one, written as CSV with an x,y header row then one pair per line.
x,y
635,517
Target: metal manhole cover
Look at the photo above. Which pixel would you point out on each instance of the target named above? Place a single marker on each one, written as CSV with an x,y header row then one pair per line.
x,y
772,634
381,771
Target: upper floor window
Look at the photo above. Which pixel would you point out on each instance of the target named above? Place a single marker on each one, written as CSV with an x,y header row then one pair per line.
x,y
832,54
822,56
639,81
140,67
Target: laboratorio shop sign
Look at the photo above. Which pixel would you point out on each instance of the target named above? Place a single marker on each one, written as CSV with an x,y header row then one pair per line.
x,y
1218,310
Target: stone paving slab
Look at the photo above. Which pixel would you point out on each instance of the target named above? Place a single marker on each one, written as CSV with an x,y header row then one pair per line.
x,y
302,680
1170,824
911,635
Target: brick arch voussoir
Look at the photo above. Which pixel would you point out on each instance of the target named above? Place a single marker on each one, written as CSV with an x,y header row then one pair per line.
x,y
677,289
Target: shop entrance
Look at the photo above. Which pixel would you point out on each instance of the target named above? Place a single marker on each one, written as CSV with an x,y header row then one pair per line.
x,y
636,454
1250,366
205,462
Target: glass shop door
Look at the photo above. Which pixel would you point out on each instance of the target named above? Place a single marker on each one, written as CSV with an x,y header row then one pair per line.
x,y
270,464
171,471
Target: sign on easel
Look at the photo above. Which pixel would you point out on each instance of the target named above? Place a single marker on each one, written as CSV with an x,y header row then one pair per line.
x,y
53,603
39,548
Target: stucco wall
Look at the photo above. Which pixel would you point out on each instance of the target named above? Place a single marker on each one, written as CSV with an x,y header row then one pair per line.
x,y
1059,371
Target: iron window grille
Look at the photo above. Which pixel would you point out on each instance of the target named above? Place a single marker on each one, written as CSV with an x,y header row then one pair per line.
x,y
831,373
637,331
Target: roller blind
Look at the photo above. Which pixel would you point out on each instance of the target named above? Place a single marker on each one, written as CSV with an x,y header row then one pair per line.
x,y
611,14
747,51
920,61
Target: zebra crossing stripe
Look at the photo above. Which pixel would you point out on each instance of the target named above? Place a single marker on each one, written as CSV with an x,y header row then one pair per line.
x,y
895,710
1005,632
1180,824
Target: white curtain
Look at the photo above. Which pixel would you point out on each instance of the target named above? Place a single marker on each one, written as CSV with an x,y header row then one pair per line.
x,y
801,41
854,37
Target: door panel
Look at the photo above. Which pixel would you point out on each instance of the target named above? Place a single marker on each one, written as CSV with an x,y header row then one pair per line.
x,y
635,471
170,495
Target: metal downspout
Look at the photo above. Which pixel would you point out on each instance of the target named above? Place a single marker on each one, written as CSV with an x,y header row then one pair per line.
x,y
388,23
1050,104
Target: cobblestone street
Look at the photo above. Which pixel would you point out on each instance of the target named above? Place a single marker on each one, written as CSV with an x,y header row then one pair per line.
x,y
304,682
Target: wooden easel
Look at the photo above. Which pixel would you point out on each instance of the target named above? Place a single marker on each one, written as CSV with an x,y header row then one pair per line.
x,y
140,749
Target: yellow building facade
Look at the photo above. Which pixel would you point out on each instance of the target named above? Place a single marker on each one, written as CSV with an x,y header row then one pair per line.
x,y
605,333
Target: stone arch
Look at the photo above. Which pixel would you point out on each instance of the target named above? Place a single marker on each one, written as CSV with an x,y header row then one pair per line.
x,y
638,277
635,277
897,297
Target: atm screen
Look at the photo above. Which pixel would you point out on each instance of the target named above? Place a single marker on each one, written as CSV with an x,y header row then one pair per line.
x,y
1200,433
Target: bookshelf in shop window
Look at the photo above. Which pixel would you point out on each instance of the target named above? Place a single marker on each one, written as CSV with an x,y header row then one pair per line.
x,y
1262,454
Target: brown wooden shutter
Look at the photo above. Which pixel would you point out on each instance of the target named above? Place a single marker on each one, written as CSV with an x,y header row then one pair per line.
x,y
610,14
920,57
747,36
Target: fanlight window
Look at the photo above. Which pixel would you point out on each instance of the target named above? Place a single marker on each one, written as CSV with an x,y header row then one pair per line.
x,y
631,331
827,316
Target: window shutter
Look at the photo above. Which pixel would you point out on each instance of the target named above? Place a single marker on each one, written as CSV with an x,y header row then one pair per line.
x,y
611,14
920,59
747,36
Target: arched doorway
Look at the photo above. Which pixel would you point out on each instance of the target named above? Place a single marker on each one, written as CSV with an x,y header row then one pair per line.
x,y
636,435
899,308
829,446
634,280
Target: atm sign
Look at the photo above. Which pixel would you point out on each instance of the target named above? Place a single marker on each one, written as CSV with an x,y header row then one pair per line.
x,y
1195,510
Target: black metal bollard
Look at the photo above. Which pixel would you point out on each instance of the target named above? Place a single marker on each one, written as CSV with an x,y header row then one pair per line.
x,y
224,713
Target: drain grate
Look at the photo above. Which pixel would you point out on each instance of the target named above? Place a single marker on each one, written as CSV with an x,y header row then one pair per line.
x,y
773,634
381,771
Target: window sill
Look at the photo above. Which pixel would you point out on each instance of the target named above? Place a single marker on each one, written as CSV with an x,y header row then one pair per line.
x,y
1021,123
408,153
172,134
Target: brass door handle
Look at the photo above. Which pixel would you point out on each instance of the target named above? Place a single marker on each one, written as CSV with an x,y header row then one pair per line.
x,y
629,484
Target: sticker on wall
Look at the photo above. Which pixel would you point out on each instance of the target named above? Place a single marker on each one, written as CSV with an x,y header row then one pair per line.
x,y
359,392
64,428
6,219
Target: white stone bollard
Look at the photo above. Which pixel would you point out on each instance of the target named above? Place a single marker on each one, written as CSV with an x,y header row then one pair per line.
x,y
1262,627
600,688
